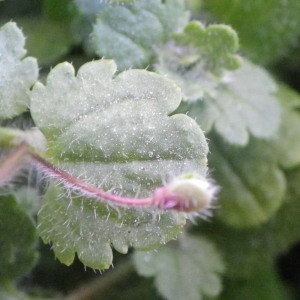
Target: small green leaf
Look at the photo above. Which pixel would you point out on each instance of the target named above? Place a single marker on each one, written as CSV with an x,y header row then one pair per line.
x,y
214,47
187,270
17,240
235,102
128,33
197,58
115,133
17,73
253,186
243,102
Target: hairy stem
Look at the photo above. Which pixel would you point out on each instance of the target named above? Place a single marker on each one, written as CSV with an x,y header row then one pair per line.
x,y
188,194
85,188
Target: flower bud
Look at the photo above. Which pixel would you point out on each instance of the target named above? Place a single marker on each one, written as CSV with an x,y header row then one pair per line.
x,y
189,193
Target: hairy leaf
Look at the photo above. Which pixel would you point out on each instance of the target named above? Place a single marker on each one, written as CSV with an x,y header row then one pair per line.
x,y
197,58
253,186
16,72
214,47
128,33
115,133
243,102
235,102
90,229
187,270
17,240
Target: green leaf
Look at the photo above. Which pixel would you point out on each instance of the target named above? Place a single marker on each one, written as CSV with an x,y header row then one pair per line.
x,y
214,46
128,33
46,40
234,103
253,186
16,72
243,103
197,58
115,133
189,271
267,36
17,240
287,144
90,228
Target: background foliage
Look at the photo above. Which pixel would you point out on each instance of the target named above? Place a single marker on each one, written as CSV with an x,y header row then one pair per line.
x,y
237,66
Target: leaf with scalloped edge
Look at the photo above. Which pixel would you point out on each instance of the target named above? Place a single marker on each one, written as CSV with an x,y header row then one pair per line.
x,y
234,101
113,132
214,47
243,103
197,58
129,32
16,72
189,269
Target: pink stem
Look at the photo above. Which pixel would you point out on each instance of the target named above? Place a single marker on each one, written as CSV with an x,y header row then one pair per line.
x,y
89,189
